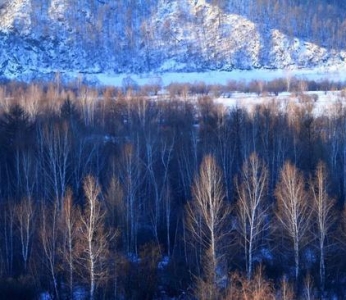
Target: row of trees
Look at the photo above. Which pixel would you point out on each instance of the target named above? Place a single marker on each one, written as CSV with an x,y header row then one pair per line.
x,y
289,84
119,195
300,215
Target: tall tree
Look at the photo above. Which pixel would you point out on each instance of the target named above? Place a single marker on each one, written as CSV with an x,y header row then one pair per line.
x,y
252,210
207,215
55,144
94,238
48,233
324,216
25,217
293,209
69,224
8,220
131,181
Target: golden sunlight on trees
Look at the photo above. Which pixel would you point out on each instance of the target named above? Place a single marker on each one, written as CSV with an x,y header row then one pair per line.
x,y
252,208
49,240
293,210
94,237
176,206
69,233
207,216
256,288
25,219
324,216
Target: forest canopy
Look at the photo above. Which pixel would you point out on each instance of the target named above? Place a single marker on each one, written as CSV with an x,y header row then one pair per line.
x,y
136,194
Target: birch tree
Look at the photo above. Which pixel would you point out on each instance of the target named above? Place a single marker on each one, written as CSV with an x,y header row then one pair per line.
x,y
131,182
293,209
251,207
56,148
94,238
48,234
25,215
324,216
69,224
207,215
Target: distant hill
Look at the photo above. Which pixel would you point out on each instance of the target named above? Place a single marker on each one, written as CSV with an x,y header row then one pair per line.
x,y
39,37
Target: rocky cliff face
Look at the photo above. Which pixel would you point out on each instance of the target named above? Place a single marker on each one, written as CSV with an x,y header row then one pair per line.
x,y
40,37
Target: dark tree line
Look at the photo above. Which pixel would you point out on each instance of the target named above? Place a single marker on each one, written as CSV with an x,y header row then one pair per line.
x,y
114,194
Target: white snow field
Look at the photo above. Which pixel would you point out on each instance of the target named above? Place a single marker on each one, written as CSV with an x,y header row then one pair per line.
x,y
335,74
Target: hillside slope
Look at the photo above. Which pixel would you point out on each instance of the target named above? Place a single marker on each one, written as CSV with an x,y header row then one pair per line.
x,y
105,36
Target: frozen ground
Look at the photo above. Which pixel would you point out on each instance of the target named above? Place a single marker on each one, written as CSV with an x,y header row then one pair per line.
x,y
321,103
221,77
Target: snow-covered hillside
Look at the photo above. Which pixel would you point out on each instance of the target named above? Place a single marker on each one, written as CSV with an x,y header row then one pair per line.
x,y
39,37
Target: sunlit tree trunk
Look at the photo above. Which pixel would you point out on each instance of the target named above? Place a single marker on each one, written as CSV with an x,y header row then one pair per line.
x,y
252,210
94,237
57,147
293,209
49,240
324,216
165,193
25,215
68,225
207,215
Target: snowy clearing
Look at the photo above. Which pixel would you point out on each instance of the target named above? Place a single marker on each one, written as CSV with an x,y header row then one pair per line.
x,y
321,103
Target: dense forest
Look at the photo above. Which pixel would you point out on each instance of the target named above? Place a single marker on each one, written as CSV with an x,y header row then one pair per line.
x,y
135,193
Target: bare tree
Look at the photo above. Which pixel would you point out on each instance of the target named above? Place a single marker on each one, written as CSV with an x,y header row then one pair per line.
x,y
207,215
82,156
94,238
130,177
48,234
56,148
69,225
251,207
115,221
25,214
114,200
29,171
31,100
293,209
167,146
258,287
224,152
308,291
286,291
88,100
8,219
187,158
324,216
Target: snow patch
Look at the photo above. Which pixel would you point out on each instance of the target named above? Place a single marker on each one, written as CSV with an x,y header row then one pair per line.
x,y
57,9
163,263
